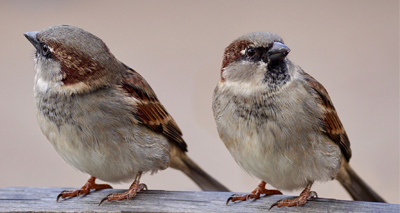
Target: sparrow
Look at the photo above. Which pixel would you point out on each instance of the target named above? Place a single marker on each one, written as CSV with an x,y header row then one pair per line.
x,y
279,123
102,117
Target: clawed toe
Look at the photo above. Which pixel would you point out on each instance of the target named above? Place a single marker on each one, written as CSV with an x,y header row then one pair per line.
x,y
126,195
255,194
229,199
61,195
313,195
144,186
84,190
234,198
132,191
104,199
71,193
305,196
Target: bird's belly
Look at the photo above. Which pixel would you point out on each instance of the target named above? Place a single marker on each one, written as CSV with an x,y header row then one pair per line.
x,y
103,156
283,160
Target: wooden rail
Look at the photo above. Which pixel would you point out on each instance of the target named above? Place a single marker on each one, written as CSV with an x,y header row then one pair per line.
x,y
44,200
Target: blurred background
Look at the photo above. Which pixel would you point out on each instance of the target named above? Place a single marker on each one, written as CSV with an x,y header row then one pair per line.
x,y
351,47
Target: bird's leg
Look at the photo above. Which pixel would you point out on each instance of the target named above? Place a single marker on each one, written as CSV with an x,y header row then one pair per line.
x,y
255,194
305,195
84,190
133,189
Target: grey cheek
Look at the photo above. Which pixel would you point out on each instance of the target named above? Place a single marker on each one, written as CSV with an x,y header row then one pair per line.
x,y
241,71
49,69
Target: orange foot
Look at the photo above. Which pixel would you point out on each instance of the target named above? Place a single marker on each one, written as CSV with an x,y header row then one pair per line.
x,y
84,190
133,189
305,195
255,194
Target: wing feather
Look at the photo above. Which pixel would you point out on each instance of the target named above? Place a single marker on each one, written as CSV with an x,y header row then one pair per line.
x,y
331,124
150,111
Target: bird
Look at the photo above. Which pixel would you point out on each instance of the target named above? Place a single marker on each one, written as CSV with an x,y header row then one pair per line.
x,y
279,123
102,117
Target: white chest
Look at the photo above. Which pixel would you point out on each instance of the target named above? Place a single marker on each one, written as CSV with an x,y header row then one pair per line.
x,y
276,140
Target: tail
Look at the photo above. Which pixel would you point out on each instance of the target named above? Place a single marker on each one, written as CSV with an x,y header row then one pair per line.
x,y
180,161
355,186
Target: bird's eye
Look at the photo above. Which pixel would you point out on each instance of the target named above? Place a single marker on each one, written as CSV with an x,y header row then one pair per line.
x,y
46,51
250,52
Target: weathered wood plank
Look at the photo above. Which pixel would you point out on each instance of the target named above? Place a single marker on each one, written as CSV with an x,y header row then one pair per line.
x,y
44,200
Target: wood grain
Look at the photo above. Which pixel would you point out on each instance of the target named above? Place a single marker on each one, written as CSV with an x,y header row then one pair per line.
x,y
44,200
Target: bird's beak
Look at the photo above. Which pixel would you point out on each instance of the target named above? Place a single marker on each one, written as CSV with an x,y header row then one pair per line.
x,y
278,51
31,36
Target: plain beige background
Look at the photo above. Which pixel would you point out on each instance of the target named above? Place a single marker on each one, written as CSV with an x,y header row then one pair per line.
x,y
351,47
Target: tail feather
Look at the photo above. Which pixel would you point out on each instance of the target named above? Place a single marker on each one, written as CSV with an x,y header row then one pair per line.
x,y
355,186
201,178
180,161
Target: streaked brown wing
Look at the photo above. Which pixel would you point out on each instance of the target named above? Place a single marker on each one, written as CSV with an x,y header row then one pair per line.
x,y
331,124
150,111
